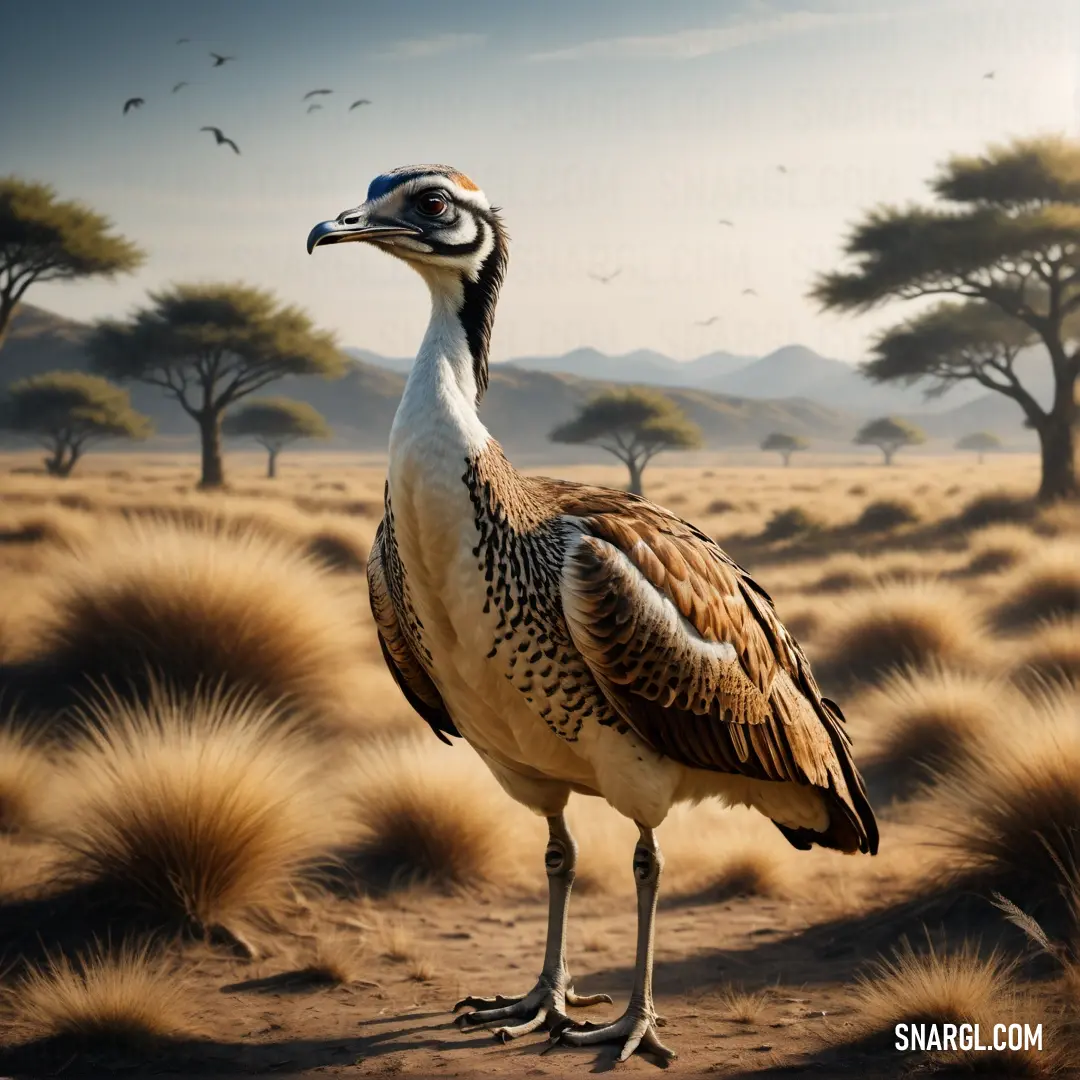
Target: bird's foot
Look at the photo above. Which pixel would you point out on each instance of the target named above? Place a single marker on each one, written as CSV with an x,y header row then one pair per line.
x,y
635,1028
542,1007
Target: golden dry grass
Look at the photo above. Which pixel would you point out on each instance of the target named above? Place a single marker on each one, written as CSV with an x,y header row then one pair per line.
x,y
1048,654
995,508
261,588
1045,586
1011,816
26,774
951,987
336,960
396,943
1000,547
921,726
932,987
876,632
199,609
200,809
743,1007
425,816
115,999
883,515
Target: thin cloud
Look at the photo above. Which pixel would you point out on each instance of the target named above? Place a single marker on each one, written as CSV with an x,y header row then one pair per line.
x,y
419,48
706,41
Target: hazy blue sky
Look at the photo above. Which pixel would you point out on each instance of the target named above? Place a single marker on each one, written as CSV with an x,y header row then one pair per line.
x,y
614,133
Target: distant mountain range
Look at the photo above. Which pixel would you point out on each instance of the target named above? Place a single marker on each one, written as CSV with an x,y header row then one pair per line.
x,y
793,371
736,400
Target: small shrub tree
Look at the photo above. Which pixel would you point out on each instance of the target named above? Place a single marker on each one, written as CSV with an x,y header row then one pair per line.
x,y
274,423
889,434
207,346
67,412
784,444
981,442
635,425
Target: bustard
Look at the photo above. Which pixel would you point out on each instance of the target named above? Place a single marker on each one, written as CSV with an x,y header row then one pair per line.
x,y
580,639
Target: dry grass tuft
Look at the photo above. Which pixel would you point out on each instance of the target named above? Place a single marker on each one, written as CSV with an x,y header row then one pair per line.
x,y
1000,547
199,810
53,527
198,609
1046,586
337,960
396,943
884,514
422,970
423,819
883,629
1050,654
925,725
1059,519
721,506
743,1007
931,987
338,550
25,775
746,873
100,999
996,507
791,523
958,987
1012,818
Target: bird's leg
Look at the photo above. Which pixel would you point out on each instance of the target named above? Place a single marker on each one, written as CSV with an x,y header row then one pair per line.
x,y
637,1026
544,1005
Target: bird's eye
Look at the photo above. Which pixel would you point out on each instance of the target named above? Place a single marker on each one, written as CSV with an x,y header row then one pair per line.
x,y
432,204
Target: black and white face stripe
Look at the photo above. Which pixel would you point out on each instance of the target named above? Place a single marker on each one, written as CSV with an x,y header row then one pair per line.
x,y
466,239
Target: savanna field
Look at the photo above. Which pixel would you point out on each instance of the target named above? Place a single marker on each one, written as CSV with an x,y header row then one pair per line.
x,y
228,846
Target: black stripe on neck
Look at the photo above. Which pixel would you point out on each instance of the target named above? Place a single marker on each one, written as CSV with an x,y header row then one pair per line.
x,y
477,312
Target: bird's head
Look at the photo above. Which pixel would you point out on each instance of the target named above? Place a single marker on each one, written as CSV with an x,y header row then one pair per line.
x,y
431,216
438,221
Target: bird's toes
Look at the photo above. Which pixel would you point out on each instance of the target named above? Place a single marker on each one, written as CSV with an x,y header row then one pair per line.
x,y
583,1001
515,1031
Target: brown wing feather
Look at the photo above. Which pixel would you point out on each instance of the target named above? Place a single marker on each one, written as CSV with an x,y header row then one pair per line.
x,y
413,681
753,709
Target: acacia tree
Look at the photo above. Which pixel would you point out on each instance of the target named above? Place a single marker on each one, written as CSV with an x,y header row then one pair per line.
x,y
208,346
274,423
785,444
43,238
1007,238
68,411
635,425
979,441
889,434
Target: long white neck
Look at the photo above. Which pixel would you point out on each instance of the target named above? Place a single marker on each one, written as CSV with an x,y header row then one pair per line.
x,y
437,413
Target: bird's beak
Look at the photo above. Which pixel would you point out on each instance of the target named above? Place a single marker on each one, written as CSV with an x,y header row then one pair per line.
x,y
354,225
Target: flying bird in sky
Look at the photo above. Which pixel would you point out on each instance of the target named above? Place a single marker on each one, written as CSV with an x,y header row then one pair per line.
x,y
180,86
133,103
359,101
313,93
781,168
219,60
989,74
221,138
605,278
312,108
707,322
749,292
183,40
725,221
